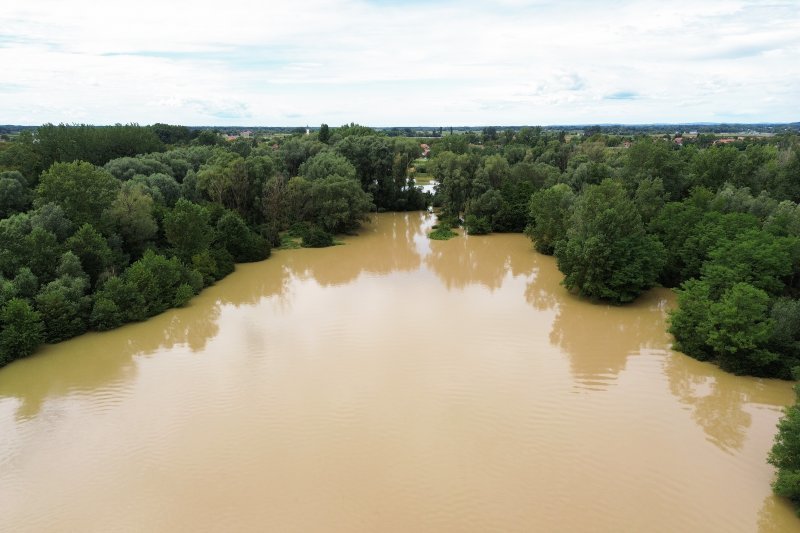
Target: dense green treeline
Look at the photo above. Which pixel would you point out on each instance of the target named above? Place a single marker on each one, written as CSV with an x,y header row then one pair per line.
x,y
100,226
718,222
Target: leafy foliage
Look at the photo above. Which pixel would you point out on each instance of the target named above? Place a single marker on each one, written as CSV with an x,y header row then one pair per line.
x,y
607,254
21,331
550,213
316,237
442,232
785,454
81,189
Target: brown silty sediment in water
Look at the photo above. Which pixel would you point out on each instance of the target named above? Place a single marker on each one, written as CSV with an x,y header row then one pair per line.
x,y
395,384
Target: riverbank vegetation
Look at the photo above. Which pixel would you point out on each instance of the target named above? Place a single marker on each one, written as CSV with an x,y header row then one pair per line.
x,y
106,225
715,218
102,226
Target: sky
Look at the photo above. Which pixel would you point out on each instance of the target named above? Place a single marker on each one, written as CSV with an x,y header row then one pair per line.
x,y
399,63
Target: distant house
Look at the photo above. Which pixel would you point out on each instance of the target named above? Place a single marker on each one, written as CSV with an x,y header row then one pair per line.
x,y
678,141
231,137
246,134
626,144
425,149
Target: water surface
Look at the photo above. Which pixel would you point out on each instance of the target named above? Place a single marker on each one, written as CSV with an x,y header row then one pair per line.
x,y
389,384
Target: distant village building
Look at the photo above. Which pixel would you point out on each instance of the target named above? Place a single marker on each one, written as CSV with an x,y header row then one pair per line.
x,y
425,149
626,144
678,141
241,135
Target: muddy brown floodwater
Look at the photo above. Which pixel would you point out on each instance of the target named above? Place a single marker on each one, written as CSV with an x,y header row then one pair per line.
x,y
389,384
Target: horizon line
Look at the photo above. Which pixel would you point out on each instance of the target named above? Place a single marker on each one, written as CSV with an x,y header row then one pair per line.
x,y
573,125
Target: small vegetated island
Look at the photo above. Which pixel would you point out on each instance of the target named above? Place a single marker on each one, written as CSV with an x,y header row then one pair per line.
x,y
105,225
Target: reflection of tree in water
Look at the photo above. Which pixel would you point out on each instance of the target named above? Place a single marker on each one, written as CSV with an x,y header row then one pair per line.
x,y
383,246
717,399
777,516
253,282
192,327
481,259
97,361
86,364
599,338
544,291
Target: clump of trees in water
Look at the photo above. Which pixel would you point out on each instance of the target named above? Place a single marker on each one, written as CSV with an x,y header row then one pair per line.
x,y
100,226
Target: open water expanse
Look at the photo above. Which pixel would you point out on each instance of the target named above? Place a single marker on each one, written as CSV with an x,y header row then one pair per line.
x,y
389,384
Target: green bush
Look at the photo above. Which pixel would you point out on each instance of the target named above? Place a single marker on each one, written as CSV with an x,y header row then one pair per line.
x,y
299,229
476,225
785,454
105,315
317,238
442,232
183,294
21,331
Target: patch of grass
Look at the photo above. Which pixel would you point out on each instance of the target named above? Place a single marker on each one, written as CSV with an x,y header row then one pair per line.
x,y
289,242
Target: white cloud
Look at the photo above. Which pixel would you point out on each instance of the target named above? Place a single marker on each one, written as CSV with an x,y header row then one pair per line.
x,y
394,63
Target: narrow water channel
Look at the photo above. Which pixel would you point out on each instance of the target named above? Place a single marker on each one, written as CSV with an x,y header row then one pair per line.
x,y
389,384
